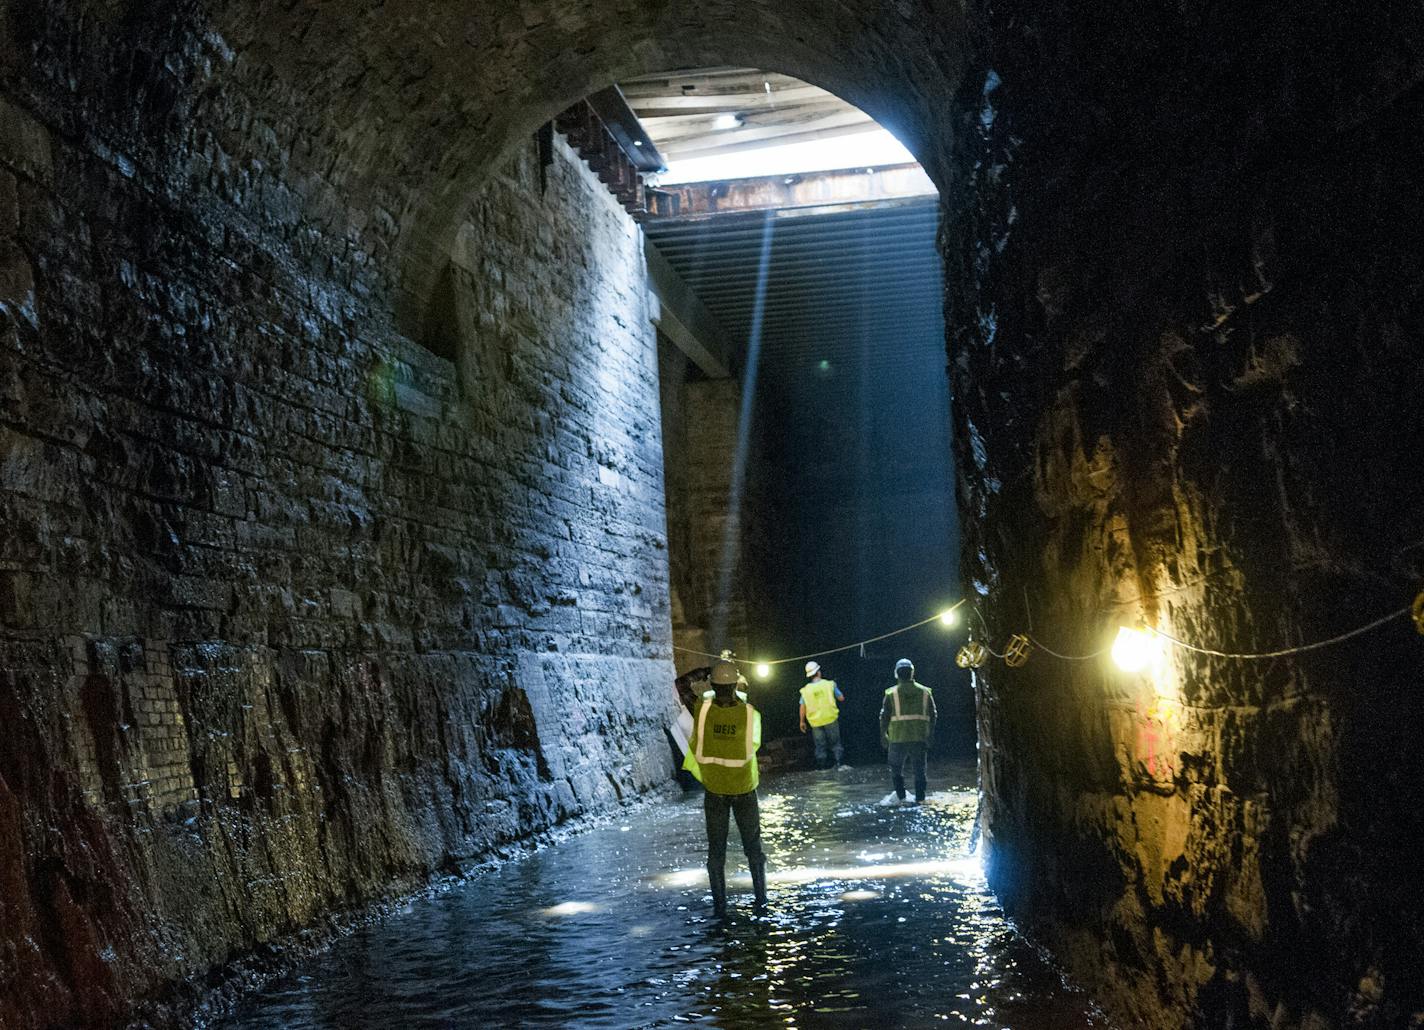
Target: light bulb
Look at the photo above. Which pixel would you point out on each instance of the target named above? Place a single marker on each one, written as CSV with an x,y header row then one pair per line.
x,y
763,671
1135,649
948,617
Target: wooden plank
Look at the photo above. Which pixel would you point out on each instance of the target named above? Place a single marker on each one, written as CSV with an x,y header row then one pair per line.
x,y
653,106
739,80
717,148
677,127
765,134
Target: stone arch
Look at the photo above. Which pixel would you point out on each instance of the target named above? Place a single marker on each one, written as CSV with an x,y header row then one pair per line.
x,y
426,111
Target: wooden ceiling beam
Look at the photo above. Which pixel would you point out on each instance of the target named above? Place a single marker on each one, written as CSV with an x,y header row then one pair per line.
x,y
647,107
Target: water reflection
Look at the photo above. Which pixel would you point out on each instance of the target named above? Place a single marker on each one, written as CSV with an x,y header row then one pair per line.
x,y
878,916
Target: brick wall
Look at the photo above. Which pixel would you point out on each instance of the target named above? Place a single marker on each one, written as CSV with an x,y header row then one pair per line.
x,y
293,611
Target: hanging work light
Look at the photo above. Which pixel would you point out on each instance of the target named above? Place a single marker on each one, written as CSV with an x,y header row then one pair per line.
x,y
763,671
1135,649
971,655
1016,654
948,617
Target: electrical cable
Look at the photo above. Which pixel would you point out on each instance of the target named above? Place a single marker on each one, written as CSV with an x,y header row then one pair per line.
x,y
1067,657
700,654
1407,610
858,643
985,627
996,654
1284,652
837,650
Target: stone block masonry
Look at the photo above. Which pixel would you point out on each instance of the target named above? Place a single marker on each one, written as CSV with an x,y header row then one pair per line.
x,y
293,611
1183,291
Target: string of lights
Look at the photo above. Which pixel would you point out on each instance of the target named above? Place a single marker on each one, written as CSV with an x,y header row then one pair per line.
x,y
1132,650
948,617
699,654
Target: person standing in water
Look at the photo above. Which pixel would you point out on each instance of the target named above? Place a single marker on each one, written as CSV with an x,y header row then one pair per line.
x,y
907,722
821,711
726,734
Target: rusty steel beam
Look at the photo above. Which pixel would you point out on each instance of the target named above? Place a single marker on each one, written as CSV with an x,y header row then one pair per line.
x,y
611,155
844,189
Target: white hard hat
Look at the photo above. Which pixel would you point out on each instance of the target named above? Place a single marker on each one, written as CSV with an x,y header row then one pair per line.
x,y
812,668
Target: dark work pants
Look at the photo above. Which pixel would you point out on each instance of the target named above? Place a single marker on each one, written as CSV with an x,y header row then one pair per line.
x,y
717,808
914,753
828,743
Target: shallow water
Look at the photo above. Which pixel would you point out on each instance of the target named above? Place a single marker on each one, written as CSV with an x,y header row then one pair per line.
x,y
878,917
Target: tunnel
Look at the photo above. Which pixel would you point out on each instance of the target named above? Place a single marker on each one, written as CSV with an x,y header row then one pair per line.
x,y
360,500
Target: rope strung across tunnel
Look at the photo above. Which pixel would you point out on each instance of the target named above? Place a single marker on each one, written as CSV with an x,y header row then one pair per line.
x,y
1132,649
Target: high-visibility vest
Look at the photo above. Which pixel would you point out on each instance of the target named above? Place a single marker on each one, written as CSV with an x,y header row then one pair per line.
x,y
909,714
820,701
723,747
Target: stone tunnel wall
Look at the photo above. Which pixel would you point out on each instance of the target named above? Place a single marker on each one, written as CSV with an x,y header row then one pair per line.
x,y
1188,356
1185,336
293,611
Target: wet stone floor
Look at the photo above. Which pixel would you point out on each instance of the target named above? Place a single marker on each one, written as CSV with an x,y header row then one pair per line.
x,y
879,917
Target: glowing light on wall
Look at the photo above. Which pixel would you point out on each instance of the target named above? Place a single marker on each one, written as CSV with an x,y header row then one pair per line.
x,y
1136,649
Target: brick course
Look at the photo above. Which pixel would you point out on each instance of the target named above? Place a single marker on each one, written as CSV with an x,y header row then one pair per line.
x,y
292,611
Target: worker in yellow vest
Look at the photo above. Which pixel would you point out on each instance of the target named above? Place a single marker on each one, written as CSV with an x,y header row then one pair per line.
x,y
907,722
820,711
726,733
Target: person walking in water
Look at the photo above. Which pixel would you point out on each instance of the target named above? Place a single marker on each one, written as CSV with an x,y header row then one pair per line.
x,y
907,722
726,733
819,709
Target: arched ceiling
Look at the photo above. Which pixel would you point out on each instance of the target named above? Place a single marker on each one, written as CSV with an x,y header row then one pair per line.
x,y
407,105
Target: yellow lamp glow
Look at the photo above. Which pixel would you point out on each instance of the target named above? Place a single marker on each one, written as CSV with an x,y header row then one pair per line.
x,y
763,671
948,617
1135,649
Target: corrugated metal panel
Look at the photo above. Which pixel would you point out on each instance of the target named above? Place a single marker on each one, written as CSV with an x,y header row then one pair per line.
x,y
856,289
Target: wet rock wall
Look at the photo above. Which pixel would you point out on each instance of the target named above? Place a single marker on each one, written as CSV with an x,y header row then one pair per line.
x,y
294,610
1185,306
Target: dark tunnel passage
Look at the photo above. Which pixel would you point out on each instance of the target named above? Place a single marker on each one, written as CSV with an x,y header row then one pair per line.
x,y
338,481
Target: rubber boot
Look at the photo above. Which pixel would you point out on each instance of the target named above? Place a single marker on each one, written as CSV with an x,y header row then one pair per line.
x,y
759,885
717,880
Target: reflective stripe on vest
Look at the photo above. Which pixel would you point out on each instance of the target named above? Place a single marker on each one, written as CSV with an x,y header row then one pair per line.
x,y
924,708
705,759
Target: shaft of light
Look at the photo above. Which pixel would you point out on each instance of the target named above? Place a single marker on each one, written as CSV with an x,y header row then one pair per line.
x,y
732,531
